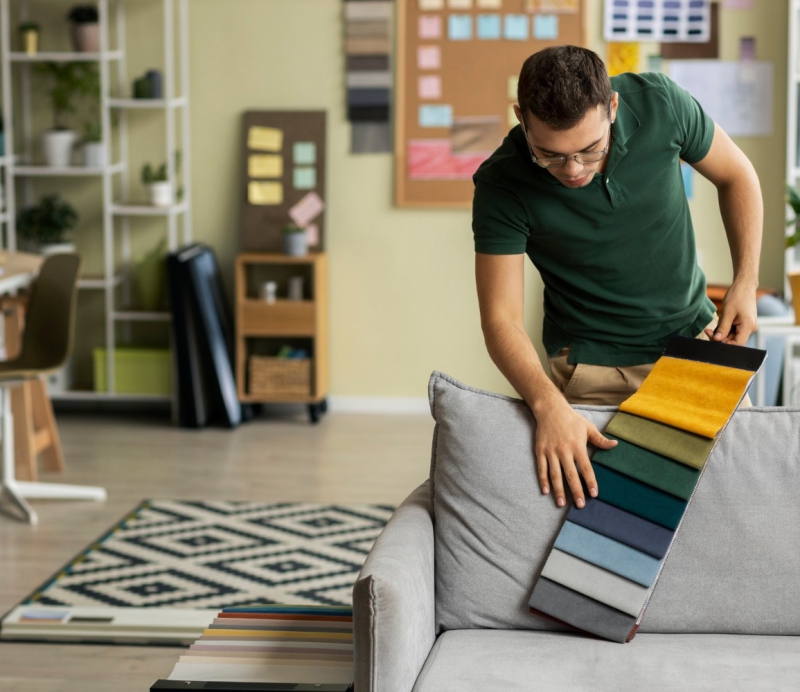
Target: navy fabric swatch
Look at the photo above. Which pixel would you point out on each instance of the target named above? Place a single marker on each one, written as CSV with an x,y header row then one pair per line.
x,y
623,526
715,352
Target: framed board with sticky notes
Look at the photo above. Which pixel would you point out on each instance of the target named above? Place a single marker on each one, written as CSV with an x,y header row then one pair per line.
x,y
457,68
284,177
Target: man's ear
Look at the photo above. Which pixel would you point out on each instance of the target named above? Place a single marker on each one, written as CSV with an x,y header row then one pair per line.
x,y
518,113
614,105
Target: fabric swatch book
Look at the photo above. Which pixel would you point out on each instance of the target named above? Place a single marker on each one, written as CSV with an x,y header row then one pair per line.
x,y
285,645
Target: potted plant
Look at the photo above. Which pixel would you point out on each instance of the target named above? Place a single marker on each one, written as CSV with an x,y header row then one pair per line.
x,y
67,81
159,188
294,240
29,37
44,226
793,200
85,28
93,149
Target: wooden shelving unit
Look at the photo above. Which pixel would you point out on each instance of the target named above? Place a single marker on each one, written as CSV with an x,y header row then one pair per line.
x,y
262,327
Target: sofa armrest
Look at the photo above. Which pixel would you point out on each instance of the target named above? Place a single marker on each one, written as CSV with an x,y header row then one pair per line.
x,y
393,601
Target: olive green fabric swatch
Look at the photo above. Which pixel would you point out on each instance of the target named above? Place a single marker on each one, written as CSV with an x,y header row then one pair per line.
x,y
648,467
682,446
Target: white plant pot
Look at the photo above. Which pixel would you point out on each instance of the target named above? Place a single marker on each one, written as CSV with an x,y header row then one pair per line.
x,y
57,146
86,38
160,194
94,155
295,244
56,249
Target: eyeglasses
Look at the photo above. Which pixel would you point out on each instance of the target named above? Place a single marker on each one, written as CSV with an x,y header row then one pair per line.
x,y
561,159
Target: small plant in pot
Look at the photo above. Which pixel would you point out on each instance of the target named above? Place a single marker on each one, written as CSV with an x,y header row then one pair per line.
x,y
85,28
44,226
67,81
29,37
294,240
93,149
159,187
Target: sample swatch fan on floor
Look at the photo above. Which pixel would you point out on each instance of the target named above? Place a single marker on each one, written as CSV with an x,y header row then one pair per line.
x,y
164,571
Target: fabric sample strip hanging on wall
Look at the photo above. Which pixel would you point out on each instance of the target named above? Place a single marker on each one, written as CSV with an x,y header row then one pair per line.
x,y
368,50
608,556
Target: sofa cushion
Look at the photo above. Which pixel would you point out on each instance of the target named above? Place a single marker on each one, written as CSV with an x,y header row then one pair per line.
x,y
732,569
480,660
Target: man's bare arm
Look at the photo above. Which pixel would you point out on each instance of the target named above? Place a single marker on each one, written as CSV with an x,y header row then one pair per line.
x,y
562,433
742,211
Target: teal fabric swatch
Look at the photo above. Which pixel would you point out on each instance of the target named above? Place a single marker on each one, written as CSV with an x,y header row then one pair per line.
x,y
638,498
650,468
607,553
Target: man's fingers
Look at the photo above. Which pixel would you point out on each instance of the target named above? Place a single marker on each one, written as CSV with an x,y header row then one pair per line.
x,y
723,328
585,467
541,472
574,481
556,480
597,438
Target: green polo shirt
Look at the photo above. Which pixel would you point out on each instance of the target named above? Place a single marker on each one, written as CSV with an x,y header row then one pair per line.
x,y
618,256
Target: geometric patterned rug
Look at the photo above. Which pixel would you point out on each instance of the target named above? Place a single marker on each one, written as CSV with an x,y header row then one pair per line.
x,y
169,554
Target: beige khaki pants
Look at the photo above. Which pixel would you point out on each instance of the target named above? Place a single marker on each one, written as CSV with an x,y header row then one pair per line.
x,y
602,385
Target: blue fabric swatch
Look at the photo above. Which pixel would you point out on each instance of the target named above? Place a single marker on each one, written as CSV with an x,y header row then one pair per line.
x,y
607,553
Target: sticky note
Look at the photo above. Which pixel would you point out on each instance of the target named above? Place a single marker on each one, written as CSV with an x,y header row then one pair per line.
x,y
512,116
512,87
430,87
429,58
459,27
459,4
312,234
307,209
516,27
435,116
304,152
265,139
489,4
545,27
264,166
488,26
260,192
305,178
430,4
430,26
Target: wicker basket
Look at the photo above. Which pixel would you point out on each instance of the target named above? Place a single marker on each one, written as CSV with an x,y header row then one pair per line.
x,y
275,376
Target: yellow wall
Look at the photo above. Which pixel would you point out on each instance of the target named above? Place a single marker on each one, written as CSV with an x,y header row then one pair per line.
x,y
402,290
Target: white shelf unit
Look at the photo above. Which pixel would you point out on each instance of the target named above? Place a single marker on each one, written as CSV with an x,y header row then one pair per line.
x,y
792,256
116,231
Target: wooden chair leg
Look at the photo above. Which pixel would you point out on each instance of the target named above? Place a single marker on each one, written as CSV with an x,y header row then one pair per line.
x,y
24,433
48,443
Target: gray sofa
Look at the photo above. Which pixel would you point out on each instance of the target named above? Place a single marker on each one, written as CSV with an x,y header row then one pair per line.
x,y
442,600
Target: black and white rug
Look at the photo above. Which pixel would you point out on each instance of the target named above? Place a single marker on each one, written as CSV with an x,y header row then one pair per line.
x,y
170,555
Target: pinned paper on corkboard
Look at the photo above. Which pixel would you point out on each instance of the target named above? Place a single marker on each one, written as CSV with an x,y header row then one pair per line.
x,y
476,134
283,166
622,57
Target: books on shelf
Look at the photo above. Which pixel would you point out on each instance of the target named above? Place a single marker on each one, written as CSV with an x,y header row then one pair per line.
x,y
269,644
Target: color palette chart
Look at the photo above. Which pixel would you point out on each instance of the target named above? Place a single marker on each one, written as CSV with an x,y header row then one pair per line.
x,y
273,644
608,556
657,20
458,62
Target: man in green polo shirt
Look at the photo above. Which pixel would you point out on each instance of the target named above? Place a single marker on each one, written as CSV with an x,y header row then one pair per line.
x,y
589,186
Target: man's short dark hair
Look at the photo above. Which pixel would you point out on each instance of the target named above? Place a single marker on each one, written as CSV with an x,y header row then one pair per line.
x,y
559,85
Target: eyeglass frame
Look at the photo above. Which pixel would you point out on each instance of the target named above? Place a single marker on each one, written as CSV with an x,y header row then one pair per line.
x,y
566,158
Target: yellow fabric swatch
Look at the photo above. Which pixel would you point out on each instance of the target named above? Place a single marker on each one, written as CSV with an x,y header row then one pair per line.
x,y
686,394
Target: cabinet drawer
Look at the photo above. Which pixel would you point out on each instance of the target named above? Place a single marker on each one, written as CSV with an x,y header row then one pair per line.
x,y
281,318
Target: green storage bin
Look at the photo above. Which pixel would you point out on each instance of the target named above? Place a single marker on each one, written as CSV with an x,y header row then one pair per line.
x,y
137,371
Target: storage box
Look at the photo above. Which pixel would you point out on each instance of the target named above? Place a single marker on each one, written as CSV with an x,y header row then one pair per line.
x,y
275,376
137,371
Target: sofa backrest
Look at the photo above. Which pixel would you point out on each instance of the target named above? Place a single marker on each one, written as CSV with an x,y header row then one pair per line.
x,y
733,568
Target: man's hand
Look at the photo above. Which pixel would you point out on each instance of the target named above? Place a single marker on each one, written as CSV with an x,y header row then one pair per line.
x,y
737,318
561,437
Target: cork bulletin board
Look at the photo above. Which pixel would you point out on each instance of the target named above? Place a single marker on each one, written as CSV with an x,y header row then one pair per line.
x,y
283,178
457,68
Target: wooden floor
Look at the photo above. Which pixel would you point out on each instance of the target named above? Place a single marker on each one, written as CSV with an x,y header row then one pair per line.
x,y
346,458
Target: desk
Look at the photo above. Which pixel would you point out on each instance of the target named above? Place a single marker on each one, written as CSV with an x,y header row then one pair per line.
x,y
17,270
770,327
